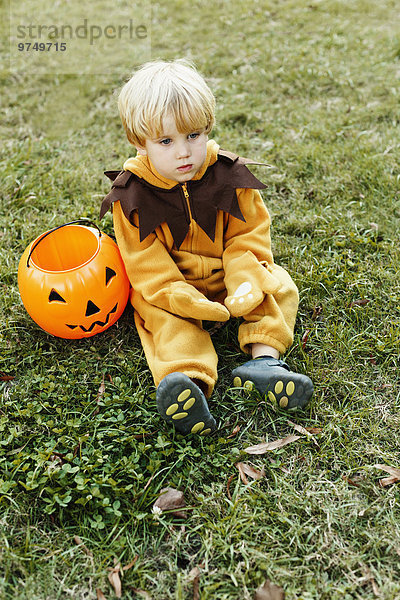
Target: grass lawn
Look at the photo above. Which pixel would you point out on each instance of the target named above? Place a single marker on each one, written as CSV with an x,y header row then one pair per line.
x,y
312,87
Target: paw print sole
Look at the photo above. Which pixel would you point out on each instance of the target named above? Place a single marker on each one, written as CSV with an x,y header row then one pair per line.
x,y
182,403
288,390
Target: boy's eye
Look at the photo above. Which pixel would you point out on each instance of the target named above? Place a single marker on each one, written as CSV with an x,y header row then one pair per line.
x,y
165,141
193,136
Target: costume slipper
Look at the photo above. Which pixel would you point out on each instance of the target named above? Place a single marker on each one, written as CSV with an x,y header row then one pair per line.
x,y
181,402
273,377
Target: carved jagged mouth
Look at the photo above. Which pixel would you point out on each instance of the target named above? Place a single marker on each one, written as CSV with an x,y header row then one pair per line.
x,y
93,325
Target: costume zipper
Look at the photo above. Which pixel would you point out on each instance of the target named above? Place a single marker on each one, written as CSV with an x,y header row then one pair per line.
x,y
187,202
190,215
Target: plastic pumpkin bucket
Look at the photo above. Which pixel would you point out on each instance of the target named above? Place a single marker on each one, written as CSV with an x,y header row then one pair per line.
x,y
72,281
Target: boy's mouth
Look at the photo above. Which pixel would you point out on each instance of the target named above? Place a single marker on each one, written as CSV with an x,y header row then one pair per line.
x,y
185,168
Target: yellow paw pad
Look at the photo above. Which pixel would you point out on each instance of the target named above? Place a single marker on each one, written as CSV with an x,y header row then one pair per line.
x,y
237,382
248,385
271,397
189,403
278,387
290,388
171,409
180,415
283,402
184,395
198,427
206,432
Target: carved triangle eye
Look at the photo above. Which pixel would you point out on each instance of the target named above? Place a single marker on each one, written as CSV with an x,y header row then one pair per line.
x,y
91,309
55,297
110,273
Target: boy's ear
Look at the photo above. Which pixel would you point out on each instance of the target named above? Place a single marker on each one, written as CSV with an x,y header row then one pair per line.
x,y
141,151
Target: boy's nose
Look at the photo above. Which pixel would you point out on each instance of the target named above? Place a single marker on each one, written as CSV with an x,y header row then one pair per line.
x,y
183,150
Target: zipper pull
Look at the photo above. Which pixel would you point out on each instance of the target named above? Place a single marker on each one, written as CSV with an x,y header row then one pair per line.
x,y
185,191
186,202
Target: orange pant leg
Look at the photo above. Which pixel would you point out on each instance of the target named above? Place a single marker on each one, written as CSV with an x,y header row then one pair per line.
x,y
174,344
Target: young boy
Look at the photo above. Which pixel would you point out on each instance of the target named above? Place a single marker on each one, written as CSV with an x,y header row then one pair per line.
x,y
194,235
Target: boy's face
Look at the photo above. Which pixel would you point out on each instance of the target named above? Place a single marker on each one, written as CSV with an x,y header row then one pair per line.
x,y
176,156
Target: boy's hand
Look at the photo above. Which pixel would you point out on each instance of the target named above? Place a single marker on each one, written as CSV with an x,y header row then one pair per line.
x,y
247,282
188,302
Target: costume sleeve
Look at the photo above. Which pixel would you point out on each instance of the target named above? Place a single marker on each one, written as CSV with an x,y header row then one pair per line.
x,y
154,274
249,267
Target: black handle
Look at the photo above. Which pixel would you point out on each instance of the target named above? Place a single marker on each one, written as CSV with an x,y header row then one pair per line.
x,y
77,221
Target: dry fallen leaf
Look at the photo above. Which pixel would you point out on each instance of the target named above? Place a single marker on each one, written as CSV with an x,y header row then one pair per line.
x,y
234,432
141,593
102,389
81,545
194,577
269,591
266,446
355,480
100,595
114,579
148,483
393,472
304,431
171,500
246,469
385,481
84,548
100,394
359,302
228,485
305,338
130,565
314,429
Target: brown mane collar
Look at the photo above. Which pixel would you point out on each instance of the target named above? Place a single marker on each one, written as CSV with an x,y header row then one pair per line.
x,y
216,190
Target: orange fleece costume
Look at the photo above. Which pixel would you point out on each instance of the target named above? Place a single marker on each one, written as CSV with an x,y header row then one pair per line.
x,y
215,264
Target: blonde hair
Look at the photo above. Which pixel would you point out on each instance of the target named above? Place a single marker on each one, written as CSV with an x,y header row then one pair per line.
x,y
162,88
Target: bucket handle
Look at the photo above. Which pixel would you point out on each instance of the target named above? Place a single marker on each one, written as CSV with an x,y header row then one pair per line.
x,y
77,221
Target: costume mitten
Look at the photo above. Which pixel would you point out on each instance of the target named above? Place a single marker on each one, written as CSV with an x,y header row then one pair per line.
x,y
188,302
247,281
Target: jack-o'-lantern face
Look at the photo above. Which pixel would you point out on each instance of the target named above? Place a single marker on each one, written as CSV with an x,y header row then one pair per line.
x,y
88,316
73,283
